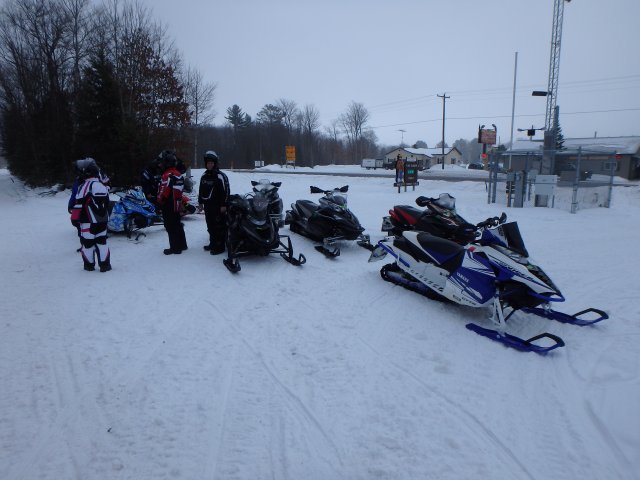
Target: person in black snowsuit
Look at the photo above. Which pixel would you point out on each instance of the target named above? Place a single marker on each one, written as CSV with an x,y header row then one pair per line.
x,y
213,196
150,180
170,201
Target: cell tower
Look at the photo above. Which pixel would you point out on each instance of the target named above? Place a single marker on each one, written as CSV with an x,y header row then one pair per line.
x,y
554,63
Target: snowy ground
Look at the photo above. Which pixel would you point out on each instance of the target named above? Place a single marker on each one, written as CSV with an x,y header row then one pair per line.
x,y
173,368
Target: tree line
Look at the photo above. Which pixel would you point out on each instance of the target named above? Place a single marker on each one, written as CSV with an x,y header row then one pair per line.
x,y
103,80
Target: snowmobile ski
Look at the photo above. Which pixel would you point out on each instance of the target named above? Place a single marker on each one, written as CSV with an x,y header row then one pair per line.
x,y
517,342
566,318
232,264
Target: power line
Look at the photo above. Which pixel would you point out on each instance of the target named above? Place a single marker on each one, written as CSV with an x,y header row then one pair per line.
x,y
505,116
602,82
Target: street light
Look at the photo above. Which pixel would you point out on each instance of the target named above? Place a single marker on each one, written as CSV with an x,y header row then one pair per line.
x,y
402,141
530,131
550,135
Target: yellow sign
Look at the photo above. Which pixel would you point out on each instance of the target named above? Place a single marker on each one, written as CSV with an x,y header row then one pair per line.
x,y
290,153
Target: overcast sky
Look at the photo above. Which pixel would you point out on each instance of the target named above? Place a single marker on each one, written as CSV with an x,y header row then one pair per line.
x,y
396,56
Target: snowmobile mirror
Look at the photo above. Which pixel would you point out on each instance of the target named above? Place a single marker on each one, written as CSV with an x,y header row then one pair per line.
x,y
315,190
253,183
344,189
277,184
503,218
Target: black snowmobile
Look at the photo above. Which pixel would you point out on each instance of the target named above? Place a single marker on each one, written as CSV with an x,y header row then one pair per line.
x,y
254,229
438,218
328,221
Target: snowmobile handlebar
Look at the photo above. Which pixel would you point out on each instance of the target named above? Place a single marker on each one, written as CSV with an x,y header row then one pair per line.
x,y
342,189
492,221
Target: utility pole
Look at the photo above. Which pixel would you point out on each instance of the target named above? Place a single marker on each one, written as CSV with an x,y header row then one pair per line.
x,y
444,102
513,108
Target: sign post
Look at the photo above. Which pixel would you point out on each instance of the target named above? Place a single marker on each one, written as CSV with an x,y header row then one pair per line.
x,y
290,155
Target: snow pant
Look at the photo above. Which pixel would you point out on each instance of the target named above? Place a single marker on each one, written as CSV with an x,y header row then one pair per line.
x,y
175,230
216,226
93,237
399,176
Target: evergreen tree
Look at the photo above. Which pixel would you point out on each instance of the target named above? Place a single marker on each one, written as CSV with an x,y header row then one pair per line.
x,y
559,138
237,118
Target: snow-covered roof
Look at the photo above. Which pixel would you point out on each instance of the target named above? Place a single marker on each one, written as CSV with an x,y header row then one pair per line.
x,y
429,152
621,145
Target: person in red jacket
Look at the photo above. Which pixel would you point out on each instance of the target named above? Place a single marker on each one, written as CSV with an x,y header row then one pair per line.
x,y
170,201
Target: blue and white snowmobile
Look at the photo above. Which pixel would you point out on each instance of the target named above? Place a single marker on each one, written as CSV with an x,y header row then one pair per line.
x,y
495,273
131,213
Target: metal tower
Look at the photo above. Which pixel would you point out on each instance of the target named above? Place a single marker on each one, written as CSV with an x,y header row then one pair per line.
x,y
554,63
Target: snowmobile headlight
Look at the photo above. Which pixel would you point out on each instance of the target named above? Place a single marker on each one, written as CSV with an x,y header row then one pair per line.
x,y
260,203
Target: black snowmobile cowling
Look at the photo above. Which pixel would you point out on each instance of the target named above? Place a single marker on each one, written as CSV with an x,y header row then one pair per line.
x,y
254,226
327,221
438,218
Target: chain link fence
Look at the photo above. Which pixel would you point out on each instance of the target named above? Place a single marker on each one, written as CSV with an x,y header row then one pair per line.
x,y
572,190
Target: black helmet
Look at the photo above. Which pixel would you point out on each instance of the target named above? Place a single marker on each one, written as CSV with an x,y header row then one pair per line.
x,y
211,156
87,167
168,158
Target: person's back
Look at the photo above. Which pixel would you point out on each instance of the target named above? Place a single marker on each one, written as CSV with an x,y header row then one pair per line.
x,y
92,208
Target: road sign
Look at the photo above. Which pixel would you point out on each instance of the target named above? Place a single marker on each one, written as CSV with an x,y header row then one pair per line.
x,y
290,153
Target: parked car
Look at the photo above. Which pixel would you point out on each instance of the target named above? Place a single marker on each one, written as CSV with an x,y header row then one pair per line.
x,y
475,166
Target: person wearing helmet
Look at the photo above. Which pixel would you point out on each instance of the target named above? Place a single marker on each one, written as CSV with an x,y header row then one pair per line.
x,y
81,175
91,209
213,196
150,180
170,201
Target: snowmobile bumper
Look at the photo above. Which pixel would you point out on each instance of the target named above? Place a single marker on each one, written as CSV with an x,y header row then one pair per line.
x,y
386,226
517,342
574,319
364,240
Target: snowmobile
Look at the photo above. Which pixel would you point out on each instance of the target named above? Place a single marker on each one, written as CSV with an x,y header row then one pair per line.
x,y
439,218
254,230
131,213
498,275
328,221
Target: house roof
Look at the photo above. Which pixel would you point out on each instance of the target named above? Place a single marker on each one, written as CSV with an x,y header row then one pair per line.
x,y
429,152
621,145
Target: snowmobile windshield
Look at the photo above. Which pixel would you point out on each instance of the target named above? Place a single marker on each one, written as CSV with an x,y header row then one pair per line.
x,y
263,185
513,255
446,201
136,196
335,199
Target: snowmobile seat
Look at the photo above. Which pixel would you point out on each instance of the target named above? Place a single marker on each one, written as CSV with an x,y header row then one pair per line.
x,y
448,254
307,207
409,213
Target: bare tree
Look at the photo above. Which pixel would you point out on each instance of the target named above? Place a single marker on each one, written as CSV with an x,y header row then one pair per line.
x,y
310,119
353,122
289,110
200,96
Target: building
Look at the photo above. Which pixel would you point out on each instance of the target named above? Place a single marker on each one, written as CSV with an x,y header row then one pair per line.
x,y
426,157
598,156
